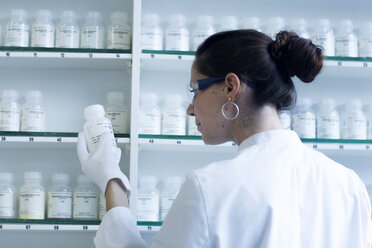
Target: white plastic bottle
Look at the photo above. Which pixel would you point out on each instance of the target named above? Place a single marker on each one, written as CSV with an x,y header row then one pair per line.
x,y
150,114
177,34
117,112
10,112
365,40
33,115
303,119
228,23
323,36
96,124
68,31
85,200
328,120
118,32
192,129
285,119
60,197
354,122
169,193
274,26
151,33
174,116
17,32
204,29
43,30
252,23
92,31
32,197
369,121
299,26
7,196
346,40
147,199
102,206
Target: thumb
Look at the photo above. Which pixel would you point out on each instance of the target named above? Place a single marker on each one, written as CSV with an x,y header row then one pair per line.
x,y
82,149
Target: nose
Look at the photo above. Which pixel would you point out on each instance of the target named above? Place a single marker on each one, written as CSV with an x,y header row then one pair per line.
x,y
190,110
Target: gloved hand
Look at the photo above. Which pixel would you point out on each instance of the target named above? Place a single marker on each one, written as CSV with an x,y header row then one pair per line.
x,y
102,166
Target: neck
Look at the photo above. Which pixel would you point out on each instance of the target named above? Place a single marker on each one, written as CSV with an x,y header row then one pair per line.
x,y
264,119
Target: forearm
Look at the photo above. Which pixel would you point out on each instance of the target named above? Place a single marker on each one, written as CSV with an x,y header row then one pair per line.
x,y
115,194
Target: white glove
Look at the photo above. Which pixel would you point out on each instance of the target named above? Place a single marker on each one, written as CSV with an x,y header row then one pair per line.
x,y
102,166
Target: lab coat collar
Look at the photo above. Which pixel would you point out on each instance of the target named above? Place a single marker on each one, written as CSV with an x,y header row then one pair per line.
x,y
269,136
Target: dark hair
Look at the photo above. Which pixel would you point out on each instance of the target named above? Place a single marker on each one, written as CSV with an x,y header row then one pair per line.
x,y
255,57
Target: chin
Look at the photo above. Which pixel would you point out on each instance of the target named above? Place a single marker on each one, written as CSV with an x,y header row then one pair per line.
x,y
208,140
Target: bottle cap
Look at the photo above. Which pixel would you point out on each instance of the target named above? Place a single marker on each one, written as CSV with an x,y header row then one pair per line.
x,y
173,180
33,96
229,23
33,175
327,102
83,179
115,97
174,99
119,16
346,25
148,180
276,23
354,104
151,19
94,111
205,20
6,177
323,25
43,13
18,12
93,15
10,95
304,102
149,97
177,20
68,14
60,177
252,23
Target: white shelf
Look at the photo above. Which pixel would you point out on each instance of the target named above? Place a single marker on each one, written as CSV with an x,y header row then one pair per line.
x,y
47,227
166,62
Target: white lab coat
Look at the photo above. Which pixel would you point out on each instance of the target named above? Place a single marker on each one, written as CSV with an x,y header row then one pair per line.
x,y
275,193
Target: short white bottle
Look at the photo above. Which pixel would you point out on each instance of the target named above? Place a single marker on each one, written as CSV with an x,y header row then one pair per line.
x,y
204,29
354,122
117,112
365,40
174,116
228,23
96,124
102,206
369,121
33,115
323,36
285,119
274,26
60,197
299,26
346,40
10,112
252,23
328,120
43,30
169,193
7,196
151,33
32,197
85,200
68,31
177,34
303,119
150,114
147,199
92,31
17,32
119,32
192,129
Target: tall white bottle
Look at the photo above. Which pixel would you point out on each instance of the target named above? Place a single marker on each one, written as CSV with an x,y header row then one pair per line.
x,y
68,31
299,26
204,29
169,193
33,115
346,40
177,34
228,23
10,113
369,121
303,119
354,122
43,30
174,116
274,26
150,114
7,196
85,200
92,31
328,120
117,112
252,23
119,32
32,197
148,199
365,40
60,197
17,31
323,36
285,119
151,33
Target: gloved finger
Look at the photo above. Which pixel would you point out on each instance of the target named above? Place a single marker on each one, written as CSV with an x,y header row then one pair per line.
x,y
105,145
82,149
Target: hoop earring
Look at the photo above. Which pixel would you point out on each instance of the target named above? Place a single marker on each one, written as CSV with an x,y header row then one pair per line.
x,y
230,118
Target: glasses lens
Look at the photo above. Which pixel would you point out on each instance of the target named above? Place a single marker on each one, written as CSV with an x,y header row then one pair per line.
x,y
191,91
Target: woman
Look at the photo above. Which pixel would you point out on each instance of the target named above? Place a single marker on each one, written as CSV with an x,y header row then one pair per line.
x,y
276,192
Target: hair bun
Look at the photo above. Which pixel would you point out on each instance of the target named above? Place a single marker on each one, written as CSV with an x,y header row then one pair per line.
x,y
296,56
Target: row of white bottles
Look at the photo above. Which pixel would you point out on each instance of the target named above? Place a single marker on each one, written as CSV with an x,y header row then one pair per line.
x,y
177,35
68,33
171,120
152,206
327,123
59,202
30,118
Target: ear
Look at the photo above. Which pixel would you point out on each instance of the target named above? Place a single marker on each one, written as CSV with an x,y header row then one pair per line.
x,y
232,82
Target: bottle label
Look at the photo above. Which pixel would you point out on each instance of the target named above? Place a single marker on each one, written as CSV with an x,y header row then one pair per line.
x,y
151,39
304,124
42,36
365,47
285,119
354,128
10,119
118,38
150,122
60,205
177,40
199,37
174,123
102,206
85,205
165,204
347,46
91,37
119,120
328,126
6,204
147,207
31,204
33,120
95,130
327,42
17,35
67,37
